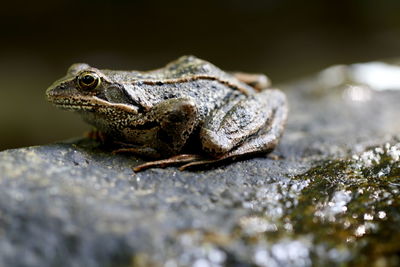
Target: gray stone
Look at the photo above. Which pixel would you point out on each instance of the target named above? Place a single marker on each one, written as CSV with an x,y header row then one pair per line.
x,y
329,195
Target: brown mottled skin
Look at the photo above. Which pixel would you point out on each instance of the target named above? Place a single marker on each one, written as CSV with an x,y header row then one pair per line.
x,y
189,106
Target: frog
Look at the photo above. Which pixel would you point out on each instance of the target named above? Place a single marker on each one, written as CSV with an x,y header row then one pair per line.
x,y
188,113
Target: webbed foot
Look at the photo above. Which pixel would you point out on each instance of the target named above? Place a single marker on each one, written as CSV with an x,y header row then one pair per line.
x,y
183,158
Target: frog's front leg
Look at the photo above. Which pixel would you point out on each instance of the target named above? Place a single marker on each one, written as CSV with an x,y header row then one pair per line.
x,y
250,126
177,119
172,121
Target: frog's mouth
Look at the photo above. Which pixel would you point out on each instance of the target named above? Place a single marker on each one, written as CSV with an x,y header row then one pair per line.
x,y
90,103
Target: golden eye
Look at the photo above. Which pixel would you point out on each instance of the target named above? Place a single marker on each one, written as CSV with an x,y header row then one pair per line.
x,y
88,80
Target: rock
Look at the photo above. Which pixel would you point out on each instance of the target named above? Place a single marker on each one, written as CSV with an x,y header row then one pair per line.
x,y
331,197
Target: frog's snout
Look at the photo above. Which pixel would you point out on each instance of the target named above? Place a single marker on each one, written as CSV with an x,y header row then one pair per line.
x,y
54,90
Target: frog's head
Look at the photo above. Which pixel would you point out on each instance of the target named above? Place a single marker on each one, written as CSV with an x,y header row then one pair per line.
x,y
85,88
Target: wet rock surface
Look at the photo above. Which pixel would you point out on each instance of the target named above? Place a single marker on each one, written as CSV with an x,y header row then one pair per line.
x,y
330,198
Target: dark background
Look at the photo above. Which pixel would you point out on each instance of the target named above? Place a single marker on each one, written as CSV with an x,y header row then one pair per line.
x,y
285,39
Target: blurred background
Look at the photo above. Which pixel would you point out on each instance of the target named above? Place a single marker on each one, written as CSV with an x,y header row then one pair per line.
x,y
284,39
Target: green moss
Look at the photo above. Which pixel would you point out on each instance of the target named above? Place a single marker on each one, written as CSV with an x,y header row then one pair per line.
x,y
353,205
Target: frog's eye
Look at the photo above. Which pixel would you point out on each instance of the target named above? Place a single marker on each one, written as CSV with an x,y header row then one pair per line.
x,y
88,80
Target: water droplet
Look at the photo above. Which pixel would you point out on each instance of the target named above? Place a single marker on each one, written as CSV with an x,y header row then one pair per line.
x,y
360,231
368,217
381,214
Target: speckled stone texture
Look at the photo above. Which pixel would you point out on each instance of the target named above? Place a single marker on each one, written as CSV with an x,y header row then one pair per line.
x,y
328,196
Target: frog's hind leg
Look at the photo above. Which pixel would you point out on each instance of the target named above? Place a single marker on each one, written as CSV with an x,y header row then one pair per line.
x,y
251,126
258,81
267,137
246,119
265,140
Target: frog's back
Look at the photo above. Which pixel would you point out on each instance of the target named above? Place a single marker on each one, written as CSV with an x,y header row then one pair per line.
x,y
193,68
184,69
